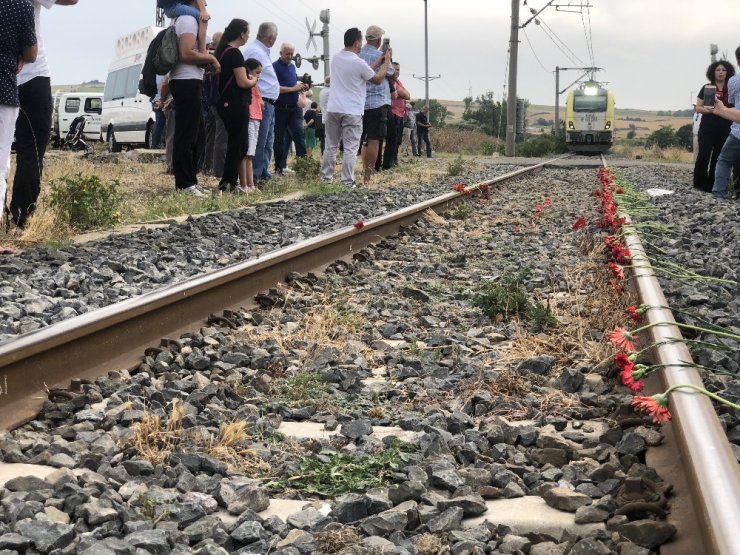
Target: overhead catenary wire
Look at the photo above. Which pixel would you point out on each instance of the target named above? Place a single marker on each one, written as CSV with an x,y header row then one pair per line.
x,y
588,35
529,43
281,18
560,44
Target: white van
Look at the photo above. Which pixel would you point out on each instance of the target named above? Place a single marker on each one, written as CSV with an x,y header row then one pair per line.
x,y
127,119
67,106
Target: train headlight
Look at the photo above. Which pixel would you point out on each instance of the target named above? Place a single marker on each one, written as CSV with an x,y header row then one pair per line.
x,y
570,125
591,91
608,125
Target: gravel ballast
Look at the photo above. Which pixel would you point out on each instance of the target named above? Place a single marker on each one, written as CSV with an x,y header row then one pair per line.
x,y
395,339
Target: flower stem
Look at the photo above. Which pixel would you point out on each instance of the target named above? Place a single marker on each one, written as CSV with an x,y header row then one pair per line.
x,y
705,392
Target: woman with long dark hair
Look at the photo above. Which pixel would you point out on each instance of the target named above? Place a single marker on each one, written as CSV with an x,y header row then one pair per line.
x,y
713,130
235,87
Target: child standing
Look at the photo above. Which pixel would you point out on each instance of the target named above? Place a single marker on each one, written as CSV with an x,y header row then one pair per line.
x,y
246,177
176,8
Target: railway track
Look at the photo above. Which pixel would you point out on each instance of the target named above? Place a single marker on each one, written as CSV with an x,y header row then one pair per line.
x,y
115,337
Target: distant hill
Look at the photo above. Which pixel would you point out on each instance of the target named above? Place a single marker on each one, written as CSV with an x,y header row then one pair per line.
x,y
88,86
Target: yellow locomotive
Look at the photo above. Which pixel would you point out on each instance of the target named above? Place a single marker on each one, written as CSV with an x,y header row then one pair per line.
x,y
589,119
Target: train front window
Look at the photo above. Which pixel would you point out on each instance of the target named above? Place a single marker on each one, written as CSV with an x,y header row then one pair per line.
x,y
589,103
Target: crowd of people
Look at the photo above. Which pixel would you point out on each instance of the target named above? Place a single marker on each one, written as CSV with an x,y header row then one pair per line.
x,y
255,110
227,108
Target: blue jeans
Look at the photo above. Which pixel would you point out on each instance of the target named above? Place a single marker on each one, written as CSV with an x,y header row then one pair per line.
x,y
158,131
181,9
288,127
265,138
729,155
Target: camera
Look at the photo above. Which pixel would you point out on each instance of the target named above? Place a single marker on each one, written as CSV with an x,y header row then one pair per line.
x,y
306,79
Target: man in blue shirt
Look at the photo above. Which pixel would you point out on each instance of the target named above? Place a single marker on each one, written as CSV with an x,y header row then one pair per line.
x,y
18,46
731,150
288,115
377,103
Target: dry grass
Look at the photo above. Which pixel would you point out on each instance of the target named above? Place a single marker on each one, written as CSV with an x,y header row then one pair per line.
x,y
329,323
429,544
433,218
673,155
460,141
156,442
335,538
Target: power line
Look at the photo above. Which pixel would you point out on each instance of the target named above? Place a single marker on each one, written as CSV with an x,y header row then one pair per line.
x,y
529,43
587,35
553,36
280,18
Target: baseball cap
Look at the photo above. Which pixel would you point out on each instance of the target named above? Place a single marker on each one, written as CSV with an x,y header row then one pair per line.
x,y
374,32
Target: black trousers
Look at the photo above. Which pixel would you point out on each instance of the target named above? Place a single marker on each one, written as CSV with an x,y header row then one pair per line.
x,y
32,133
236,123
188,131
390,153
423,134
711,140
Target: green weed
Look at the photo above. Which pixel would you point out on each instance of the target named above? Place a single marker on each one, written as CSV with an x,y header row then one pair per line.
x,y
343,473
456,167
85,202
306,168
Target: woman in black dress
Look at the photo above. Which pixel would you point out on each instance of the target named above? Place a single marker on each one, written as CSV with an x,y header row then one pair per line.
x,y
713,130
235,86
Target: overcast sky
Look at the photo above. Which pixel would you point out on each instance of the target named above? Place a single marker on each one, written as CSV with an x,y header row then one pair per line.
x,y
654,53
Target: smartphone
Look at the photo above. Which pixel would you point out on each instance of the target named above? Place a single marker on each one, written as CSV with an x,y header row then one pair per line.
x,y
710,93
385,46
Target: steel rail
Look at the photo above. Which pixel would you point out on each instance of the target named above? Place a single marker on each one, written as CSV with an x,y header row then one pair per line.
x,y
708,461
114,337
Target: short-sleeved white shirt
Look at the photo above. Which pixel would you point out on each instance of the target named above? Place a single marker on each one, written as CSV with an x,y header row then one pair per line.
x,y
40,68
268,82
349,76
186,24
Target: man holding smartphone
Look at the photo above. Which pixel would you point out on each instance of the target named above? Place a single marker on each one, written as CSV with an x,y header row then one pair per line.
x,y
377,101
731,150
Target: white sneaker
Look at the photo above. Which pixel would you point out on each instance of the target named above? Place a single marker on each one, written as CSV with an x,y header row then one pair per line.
x,y
288,170
194,191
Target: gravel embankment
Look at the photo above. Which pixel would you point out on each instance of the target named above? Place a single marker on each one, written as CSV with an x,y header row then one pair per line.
x,y
497,414
40,287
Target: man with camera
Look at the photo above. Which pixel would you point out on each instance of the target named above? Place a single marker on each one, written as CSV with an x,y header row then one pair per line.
x,y
288,115
377,100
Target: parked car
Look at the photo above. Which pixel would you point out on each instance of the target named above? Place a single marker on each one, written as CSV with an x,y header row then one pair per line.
x,y
128,118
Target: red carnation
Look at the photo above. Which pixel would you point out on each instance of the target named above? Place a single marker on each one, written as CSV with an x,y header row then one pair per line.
x,y
580,223
359,224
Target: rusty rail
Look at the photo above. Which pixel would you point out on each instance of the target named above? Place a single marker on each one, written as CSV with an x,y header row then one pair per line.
x,y
115,337
708,461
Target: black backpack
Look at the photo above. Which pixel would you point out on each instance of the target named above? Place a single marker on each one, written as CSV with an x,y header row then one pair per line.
x,y
164,4
148,82
161,57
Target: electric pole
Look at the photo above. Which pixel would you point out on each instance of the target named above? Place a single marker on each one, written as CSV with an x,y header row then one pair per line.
x,y
511,100
159,21
426,78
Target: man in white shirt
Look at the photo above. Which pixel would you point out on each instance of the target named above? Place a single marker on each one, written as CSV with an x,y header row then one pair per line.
x,y
346,106
269,87
33,126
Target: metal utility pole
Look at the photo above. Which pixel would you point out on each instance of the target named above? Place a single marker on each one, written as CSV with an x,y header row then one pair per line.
x,y
426,78
324,17
511,100
426,57
558,92
159,21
